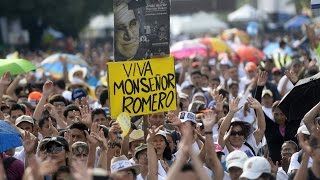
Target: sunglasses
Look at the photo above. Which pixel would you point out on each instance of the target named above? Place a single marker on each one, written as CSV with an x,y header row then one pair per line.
x,y
55,149
239,133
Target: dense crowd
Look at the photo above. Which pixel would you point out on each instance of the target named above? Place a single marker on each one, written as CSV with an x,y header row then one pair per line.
x,y
227,124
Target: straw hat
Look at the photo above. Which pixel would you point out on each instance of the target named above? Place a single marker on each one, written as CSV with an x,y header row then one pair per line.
x,y
122,163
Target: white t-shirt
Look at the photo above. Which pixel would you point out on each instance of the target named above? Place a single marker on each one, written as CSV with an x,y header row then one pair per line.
x,y
252,142
294,164
281,174
289,85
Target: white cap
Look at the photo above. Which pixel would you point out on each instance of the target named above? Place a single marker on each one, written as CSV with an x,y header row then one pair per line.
x,y
185,116
236,158
24,118
162,133
303,129
254,167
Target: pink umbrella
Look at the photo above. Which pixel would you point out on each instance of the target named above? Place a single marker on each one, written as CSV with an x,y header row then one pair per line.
x,y
187,48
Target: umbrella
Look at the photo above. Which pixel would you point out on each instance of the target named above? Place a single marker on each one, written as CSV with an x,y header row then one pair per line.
x,y
303,97
297,22
53,65
216,45
187,48
271,47
242,36
249,53
9,137
15,66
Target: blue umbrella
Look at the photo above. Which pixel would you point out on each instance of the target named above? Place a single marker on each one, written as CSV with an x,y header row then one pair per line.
x,y
297,22
9,137
53,65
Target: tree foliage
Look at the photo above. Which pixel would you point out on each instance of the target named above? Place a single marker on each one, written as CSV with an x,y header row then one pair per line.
x,y
68,16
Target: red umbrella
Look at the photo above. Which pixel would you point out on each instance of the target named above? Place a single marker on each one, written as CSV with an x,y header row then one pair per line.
x,y
249,53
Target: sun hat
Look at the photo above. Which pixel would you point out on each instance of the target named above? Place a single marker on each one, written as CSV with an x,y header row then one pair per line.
x,y
136,135
140,148
122,163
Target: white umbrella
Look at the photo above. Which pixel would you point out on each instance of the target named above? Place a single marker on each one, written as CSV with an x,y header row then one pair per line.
x,y
101,22
246,13
197,24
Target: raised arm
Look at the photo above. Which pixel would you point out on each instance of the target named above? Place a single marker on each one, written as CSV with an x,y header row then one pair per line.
x,y
261,82
4,82
209,121
233,108
13,86
308,119
46,91
259,132
152,155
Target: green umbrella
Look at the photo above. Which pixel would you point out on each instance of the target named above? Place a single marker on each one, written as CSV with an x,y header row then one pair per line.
x,y
15,66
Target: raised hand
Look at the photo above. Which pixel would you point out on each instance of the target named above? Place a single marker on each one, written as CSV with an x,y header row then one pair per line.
x,y
173,119
220,102
91,137
53,130
152,133
5,79
234,105
102,141
47,88
274,167
86,115
30,142
291,76
51,109
209,119
67,136
262,78
114,132
253,103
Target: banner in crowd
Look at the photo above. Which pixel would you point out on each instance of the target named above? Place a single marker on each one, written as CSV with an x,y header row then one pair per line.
x,y
141,29
142,87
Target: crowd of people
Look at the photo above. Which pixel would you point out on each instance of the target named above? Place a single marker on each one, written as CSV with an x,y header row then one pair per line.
x,y
227,124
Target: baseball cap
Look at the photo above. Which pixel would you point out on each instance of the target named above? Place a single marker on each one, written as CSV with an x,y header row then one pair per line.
x,y
136,135
250,66
79,148
254,167
78,93
58,140
35,95
267,92
236,158
24,118
303,129
185,116
162,133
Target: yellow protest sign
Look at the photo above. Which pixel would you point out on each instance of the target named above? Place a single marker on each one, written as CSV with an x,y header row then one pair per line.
x,y
142,87
124,122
